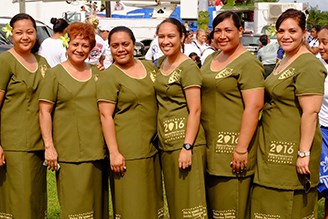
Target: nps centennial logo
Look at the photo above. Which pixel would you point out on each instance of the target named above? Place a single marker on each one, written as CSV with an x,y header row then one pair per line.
x,y
224,73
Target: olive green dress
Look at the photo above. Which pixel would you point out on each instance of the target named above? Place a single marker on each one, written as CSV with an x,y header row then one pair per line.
x,y
222,111
137,194
81,181
23,191
185,189
279,190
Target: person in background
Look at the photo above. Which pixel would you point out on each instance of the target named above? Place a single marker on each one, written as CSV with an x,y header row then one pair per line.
x,y
199,43
181,137
196,59
23,186
313,45
232,97
209,50
288,156
52,48
102,8
118,6
97,54
188,45
267,54
323,119
126,100
71,129
154,52
104,31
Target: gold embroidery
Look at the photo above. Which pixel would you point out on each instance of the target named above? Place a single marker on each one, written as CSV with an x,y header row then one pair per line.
x,y
226,142
174,129
153,75
96,78
311,216
281,152
175,76
198,212
43,69
6,216
224,73
160,213
118,216
87,215
224,214
265,216
286,74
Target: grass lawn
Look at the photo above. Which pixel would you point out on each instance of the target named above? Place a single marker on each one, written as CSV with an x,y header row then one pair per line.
x,y
53,205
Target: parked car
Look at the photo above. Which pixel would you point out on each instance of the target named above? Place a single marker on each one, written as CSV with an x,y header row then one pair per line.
x,y
43,31
251,42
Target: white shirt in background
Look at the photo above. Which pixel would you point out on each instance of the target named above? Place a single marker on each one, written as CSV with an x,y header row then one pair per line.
x,y
53,51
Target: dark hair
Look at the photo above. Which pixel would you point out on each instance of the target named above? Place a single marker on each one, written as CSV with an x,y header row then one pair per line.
x,y
59,24
324,27
175,22
227,14
86,31
23,16
316,27
294,14
264,39
197,59
122,29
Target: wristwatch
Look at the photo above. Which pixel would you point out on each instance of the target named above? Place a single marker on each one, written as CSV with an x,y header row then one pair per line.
x,y
188,147
303,153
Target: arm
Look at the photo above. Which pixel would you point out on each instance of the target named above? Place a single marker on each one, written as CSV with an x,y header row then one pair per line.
x,y
313,50
194,106
45,110
2,154
310,105
253,101
117,161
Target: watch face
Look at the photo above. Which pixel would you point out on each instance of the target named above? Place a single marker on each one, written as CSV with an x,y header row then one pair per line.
x,y
187,146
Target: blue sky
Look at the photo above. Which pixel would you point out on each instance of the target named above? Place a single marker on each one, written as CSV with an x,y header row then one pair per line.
x,y
322,4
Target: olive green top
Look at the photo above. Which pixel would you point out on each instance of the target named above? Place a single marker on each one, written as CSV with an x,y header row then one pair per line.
x,y
20,109
173,110
222,110
135,112
77,131
280,131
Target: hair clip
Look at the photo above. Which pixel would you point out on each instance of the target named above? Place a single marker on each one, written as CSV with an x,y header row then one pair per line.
x,y
65,39
8,30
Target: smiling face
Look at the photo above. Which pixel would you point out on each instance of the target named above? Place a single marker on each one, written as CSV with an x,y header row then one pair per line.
x,y
78,50
169,39
24,35
122,47
290,35
227,36
323,38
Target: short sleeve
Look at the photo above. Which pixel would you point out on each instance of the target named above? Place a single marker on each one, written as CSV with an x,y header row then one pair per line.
x,y
251,75
5,71
107,86
49,87
311,79
191,75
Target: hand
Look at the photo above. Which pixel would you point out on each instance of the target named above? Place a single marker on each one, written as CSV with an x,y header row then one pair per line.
x,y
117,163
239,162
302,165
2,157
185,158
100,67
51,158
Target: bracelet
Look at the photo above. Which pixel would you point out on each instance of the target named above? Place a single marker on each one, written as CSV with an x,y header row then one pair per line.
x,y
241,153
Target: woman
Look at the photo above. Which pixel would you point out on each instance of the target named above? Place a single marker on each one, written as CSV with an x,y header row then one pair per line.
x,y
52,48
323,119
182,140
287,172
127,104
232,97
71,129
23,191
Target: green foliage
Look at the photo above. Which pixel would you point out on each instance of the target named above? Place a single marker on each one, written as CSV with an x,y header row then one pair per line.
x,y
266,0
203,19
317,17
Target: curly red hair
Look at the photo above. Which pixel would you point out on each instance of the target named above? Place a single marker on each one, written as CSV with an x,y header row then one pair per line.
x,y
86,31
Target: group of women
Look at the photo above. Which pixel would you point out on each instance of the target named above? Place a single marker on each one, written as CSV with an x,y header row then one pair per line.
x,y
172,120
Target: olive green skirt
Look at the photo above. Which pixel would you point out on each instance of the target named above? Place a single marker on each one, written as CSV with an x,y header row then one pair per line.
x,y
139,193
283,204
229,197
83,190
185,189
23,186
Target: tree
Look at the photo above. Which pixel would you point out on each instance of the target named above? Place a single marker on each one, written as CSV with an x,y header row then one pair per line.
x,y
317,17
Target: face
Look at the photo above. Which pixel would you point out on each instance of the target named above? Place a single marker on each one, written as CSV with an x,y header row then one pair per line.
x,y
104,34
201,36
314,33
122,47
169,39
24,35
78,50
290,35
227,36
323,38
189,39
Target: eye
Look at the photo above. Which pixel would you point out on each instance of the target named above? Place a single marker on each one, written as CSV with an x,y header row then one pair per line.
x,y
217,31
114,46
